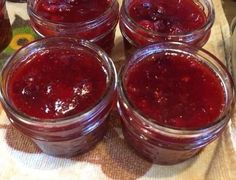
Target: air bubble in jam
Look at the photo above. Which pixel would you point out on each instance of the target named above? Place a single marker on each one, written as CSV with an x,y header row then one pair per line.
x,y
57,83
175,90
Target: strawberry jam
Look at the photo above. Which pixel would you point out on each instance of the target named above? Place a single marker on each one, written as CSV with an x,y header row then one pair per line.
x,y
143,22
176,91
69,11
94,20
171,17
57,83
174,99
59,92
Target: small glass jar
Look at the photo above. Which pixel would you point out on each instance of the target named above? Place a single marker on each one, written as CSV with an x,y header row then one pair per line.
x,y
136,36
100,30
5,26
73,134
161,143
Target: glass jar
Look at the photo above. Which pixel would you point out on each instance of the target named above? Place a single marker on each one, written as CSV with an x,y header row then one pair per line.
x,y
100,30
5,26
71,134
158,141
136,35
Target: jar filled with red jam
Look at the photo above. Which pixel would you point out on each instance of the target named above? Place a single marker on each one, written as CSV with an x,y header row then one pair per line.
x,y
5,26
144,22
93,20
174,100
59,92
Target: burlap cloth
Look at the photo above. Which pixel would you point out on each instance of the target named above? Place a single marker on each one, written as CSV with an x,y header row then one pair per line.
x,y
112,158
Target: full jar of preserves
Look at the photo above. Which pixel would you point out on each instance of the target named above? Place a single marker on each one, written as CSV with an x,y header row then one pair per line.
x,y
5,26
174,100
59,92
144,22
93,20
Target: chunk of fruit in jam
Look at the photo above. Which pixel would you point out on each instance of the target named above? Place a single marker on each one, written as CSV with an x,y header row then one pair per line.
x,y
69,11
172,16
175,90
57,83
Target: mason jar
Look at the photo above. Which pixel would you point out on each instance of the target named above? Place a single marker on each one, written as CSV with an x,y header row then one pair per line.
x,y
59,91
174,99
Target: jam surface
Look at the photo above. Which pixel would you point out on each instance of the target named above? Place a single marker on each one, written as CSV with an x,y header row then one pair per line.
x,y
171,17
70,11
175,90
57,83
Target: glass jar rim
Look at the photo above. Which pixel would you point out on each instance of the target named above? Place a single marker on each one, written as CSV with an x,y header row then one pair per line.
x,y
207,25
88,112
154,48
98,20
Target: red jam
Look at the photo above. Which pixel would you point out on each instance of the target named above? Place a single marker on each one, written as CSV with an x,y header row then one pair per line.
x,y
5,27
144,22
69,11
57,83
175,90
171,17
93,20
